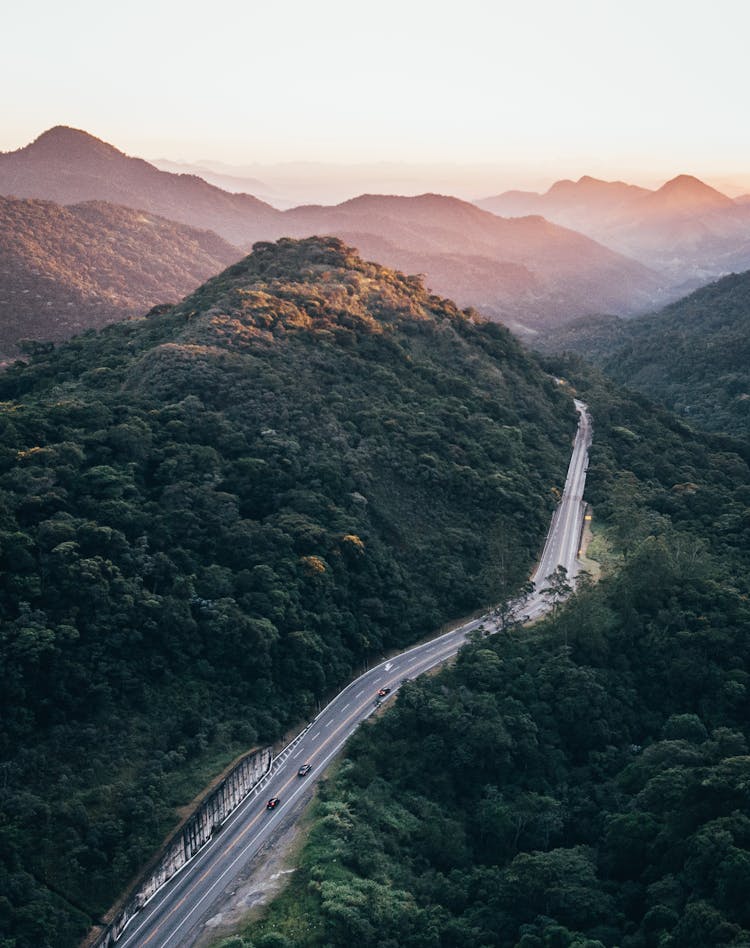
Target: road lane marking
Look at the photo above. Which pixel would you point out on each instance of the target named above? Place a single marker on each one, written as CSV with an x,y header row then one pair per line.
x,y
344,724
295,756
418,668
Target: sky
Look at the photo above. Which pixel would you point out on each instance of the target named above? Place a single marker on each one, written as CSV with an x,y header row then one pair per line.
x,y
538,89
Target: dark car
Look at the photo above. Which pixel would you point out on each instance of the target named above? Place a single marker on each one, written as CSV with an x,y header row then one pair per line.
x,y
273,803
304,770
382,692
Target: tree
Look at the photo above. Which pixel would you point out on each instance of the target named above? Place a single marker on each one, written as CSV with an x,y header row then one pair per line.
x,y
558,588
509,614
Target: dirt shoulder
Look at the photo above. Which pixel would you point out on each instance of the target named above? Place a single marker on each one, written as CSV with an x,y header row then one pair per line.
x,y
260,882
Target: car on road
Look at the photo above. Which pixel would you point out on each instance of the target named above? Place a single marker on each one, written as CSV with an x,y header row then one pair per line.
x,y
382,692
273,803
304,770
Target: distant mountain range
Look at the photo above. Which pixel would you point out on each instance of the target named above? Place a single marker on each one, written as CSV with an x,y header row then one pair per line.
x,y
528,273
66,269
235,184
686,229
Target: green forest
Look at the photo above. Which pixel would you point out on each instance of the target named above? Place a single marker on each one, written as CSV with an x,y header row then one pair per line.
x,y
212,516
579,784
693,356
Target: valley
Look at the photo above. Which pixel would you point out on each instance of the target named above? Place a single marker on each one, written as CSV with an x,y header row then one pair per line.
x,y
176,913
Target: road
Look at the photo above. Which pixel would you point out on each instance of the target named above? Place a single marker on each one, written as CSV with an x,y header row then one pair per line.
x,y
175,914
564,536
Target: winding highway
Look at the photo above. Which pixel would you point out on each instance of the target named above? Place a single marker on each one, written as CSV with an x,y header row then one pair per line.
x,y
175,916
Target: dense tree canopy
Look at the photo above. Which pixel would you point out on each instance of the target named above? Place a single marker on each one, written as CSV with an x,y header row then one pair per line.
x,y
694,355
580,784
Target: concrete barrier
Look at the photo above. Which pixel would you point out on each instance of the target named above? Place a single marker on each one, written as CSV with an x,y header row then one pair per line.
x,y
190,838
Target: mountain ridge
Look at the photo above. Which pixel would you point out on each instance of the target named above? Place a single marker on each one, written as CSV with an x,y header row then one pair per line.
x,y
570,274
685,194
67,269
688,231
69,166
693,354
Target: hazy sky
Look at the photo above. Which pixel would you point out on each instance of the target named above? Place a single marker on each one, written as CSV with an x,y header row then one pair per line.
x,y
638,88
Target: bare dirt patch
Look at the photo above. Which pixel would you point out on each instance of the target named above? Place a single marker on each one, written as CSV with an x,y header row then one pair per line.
x,y
262,880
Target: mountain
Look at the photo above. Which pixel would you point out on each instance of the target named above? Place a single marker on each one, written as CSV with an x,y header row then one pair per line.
x,y
686,230
68,166
684,195
527,273
581,204
66,269
693,355
213,516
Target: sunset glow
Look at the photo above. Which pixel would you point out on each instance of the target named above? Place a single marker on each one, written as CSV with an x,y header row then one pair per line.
x,y
537,91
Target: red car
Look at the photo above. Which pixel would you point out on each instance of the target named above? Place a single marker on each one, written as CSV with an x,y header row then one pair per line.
x,y
383,692
273,803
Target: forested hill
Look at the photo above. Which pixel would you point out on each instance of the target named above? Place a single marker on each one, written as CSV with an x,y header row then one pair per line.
x,y
693,355
212,516
581,784
66,269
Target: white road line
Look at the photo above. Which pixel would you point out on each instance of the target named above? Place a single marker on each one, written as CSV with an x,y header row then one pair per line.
x,y
345,706
329,724
316,734
331,754
359,693
294,756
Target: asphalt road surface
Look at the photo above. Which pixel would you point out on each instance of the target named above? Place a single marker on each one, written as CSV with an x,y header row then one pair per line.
x,y
175,915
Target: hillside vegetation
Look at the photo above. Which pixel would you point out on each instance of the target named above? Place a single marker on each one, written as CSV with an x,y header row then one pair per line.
x,y
67,269
211,517
694,356
580,784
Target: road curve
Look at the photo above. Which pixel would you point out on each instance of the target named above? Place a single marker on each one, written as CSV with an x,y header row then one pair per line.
x,y
175,914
